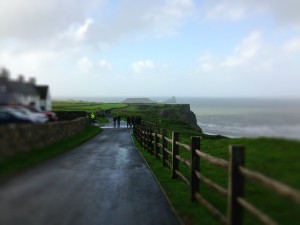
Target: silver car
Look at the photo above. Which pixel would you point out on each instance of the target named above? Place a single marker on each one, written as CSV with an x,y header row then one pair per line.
x,y
26,113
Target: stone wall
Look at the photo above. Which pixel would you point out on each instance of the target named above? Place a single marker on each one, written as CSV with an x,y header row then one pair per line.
x,y
15,138
69,115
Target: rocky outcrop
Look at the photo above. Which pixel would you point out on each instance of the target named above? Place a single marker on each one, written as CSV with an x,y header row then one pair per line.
x,y
147,100
138,100
181,113
170,101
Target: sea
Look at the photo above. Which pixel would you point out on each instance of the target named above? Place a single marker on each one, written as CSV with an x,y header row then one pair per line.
x,y
234,117
240,117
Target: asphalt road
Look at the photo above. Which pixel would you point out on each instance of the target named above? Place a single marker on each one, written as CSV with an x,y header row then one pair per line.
x,y
103,181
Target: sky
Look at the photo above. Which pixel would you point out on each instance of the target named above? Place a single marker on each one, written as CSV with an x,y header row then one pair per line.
x,y
142,48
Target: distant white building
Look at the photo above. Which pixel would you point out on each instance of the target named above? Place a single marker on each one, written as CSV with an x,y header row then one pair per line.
x,y
19,92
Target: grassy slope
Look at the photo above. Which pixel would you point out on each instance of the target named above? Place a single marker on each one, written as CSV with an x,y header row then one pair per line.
x,y
27,159
278,159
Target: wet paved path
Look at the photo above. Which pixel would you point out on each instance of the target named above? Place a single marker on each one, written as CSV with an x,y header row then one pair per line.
x,y
104,181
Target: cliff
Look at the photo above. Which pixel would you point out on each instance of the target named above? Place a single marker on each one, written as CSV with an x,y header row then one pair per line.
x,y
180,113
173,113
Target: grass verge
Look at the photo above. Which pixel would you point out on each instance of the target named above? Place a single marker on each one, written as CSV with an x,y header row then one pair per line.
x,y
25,160
191,213
280,164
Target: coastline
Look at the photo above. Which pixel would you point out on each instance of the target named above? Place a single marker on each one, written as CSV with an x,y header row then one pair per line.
x,y
250,136
239,117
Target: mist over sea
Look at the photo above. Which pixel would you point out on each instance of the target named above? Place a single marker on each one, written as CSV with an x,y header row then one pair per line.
x,y
240,117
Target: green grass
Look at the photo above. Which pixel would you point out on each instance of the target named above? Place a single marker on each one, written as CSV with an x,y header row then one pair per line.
x,y
27,159
177,192
84,106
281,164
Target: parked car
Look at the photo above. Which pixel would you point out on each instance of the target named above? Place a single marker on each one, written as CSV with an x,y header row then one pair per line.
x,y
11,116
51,115
34,117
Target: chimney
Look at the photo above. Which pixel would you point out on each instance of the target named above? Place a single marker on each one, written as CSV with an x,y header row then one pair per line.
x,y
32,80
4,73
21,78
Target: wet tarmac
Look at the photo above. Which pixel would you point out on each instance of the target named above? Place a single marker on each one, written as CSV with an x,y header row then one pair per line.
x,y
103,181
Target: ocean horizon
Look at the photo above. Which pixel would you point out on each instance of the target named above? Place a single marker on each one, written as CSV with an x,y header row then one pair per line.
x,y
237,117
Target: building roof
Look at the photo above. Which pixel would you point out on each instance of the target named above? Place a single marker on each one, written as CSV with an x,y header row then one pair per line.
x,y
43,91
24,88
8,87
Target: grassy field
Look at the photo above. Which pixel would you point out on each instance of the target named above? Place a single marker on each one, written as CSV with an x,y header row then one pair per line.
x,y
25,160
275,158
84,106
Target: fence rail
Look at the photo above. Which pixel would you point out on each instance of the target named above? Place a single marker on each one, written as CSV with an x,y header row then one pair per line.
x,y
279,188
185,146
216,161
156,142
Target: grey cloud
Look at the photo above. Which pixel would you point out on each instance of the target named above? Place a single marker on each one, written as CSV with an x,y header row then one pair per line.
x,y
284,12
35,19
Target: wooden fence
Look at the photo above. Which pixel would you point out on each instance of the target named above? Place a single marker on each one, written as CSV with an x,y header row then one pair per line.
x,y
157,143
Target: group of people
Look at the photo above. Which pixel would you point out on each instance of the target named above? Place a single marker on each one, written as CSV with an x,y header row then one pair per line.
x,y
132,120
117,120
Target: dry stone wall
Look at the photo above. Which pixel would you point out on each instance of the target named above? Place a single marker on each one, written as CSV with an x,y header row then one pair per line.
x,y
16,138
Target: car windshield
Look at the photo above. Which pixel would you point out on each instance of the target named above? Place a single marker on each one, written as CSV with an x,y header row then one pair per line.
x,y
23,111
13,111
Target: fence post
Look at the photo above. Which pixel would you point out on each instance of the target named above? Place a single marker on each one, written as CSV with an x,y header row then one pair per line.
x,y
148,139
156,140
136,131
143,136
175,152
151,141
235,185
164,146
195,166
139,133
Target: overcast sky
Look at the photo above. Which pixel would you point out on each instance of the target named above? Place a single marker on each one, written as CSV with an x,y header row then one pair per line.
x,y
203,48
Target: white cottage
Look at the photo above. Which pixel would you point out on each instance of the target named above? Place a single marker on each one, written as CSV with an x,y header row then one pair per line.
x,y
24,93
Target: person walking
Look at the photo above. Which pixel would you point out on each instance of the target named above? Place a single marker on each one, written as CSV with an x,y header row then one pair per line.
x,y
128,121
115,120
92,118
118,120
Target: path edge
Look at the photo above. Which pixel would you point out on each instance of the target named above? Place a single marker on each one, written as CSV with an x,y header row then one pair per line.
x,y
164,193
